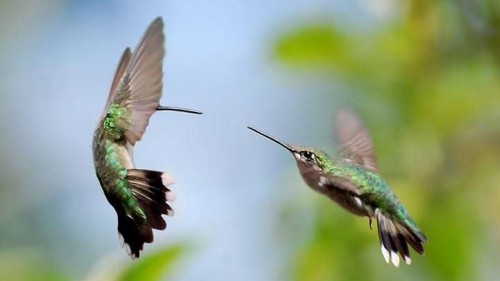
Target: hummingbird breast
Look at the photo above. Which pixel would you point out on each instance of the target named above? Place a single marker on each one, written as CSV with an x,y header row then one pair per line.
x,y
111,160
318,181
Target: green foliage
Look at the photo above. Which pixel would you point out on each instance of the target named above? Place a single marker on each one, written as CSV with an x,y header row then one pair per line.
x,y
427,83
316,260
26,265
153,266
29,265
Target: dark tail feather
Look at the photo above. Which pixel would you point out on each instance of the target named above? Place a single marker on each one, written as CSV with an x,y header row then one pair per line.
x,y
395,237
149,188
133,234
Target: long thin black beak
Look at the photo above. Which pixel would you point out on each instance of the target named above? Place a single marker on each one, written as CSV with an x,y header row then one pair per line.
x,y
180,109
288,147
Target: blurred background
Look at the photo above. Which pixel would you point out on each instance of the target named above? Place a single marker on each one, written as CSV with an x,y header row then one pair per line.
x,y
424,75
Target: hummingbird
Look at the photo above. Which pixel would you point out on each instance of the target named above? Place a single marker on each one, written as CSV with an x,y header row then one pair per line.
x,y
138,196
352,181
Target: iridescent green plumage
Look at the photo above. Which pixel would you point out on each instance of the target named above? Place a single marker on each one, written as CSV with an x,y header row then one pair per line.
x,y
352,181
115,113
138,196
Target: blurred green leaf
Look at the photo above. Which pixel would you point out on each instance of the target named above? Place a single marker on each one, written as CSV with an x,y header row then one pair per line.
x,y
152,267
453,244
317,45
335,250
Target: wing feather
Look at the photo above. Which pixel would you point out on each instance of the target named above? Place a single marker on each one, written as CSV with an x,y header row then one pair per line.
x,y
137,85
119,74
354,139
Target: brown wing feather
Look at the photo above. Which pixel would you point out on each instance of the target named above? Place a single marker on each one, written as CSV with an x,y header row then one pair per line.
x,y
145,84
354,139
343,184
137,85
119,74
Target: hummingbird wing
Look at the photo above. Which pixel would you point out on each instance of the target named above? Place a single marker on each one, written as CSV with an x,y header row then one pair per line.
x,y
354,139
137,85
124,61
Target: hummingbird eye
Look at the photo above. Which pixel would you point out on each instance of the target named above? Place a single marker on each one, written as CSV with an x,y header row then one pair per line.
x,y
308,156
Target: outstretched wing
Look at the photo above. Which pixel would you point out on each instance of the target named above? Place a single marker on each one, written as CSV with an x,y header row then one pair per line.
x,y
137,85
354,139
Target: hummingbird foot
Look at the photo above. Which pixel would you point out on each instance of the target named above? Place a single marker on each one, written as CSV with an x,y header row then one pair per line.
x,y
370,223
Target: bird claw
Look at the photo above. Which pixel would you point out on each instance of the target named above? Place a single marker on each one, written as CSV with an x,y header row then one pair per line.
x,y
370,223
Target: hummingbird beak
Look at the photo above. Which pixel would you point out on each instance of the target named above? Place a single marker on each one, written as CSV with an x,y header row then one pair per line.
x,y
288,147
180,109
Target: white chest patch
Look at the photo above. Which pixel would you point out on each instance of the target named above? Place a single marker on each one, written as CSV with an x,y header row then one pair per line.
x,y
322,181
358,202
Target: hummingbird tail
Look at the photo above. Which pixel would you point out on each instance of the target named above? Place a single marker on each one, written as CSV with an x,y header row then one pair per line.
x,y
150,191
395,237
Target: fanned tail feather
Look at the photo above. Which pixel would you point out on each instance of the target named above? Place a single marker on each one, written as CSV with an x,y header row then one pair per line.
x,y
149,188
395,237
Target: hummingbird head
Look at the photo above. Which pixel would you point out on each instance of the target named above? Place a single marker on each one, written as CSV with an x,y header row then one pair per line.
x,y
308,158
310,161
